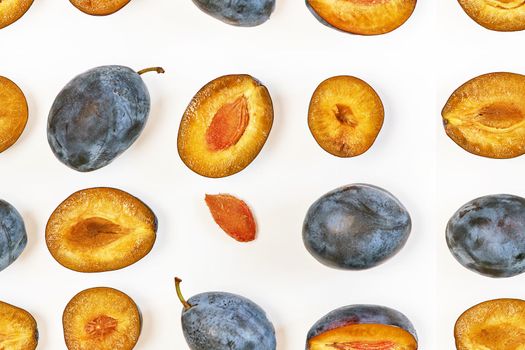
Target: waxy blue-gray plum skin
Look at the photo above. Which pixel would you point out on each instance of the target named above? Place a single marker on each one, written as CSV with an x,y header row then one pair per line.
x,y
356,227
13,237
224,321
97,116
360,314
242,13
487,235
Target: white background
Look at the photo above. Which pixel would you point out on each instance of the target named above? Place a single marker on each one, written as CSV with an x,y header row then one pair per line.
x,y
414,70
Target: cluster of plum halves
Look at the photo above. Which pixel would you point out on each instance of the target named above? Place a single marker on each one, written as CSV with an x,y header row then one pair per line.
x,y
100,113
362,17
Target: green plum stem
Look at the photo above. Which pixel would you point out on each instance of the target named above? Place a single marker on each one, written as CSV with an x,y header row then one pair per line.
x,y
186,305
159,70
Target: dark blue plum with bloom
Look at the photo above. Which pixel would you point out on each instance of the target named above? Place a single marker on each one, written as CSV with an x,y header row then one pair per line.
x,y
242,13
13,237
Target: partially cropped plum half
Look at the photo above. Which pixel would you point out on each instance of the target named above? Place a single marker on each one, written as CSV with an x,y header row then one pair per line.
x,y
486,115
225,321
242,13
499,15
12,10
493,325
13,112
98,115
487,235
225,126
101,319
356,227
362,327
99,7
345,116
18,329
13,237
364,17
100,229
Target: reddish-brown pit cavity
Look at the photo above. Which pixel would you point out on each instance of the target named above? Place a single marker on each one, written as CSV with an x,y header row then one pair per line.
x,y
101,326
228,125
95,232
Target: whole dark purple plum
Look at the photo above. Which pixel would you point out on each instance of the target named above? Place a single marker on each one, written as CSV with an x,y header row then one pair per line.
x,y
356,227
225,321
335,325
13,237
487,235
97,116
242,13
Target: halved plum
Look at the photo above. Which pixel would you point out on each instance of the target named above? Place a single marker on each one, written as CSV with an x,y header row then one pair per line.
x,y
14,112
99,7
499,15
486,115
18,328
364,17
12,10
225,126
362,327
495,324
345,116
101,319
100,229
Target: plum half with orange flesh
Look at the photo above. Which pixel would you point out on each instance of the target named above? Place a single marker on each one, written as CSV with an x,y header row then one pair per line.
x,y
362,327
345,116
486,115
101,319
495,324
99,7
13,112
364,17
499,15
18,329
100,229
225,126
12,10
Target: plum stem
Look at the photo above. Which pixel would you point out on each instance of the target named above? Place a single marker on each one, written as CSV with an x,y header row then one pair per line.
x,y
186,305
159,70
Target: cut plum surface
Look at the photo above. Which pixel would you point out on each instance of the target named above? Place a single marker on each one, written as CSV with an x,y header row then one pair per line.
x,y
12,10
499,15
233,216
364,337
99,7
345,116
101,319
496,325
100,229
18,329
364,17
14,112
486,115
225,126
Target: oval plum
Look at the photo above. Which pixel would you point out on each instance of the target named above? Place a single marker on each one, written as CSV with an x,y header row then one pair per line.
x,y
362,325
13,237
225,321
97,116
242,13
487,235
356,227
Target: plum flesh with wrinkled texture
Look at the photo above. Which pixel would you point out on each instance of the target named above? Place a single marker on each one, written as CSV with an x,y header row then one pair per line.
x,y
363,17
97,116
101,319
486,115
13,236
362,327
487,235
356,227
242,13
225,321
18,328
